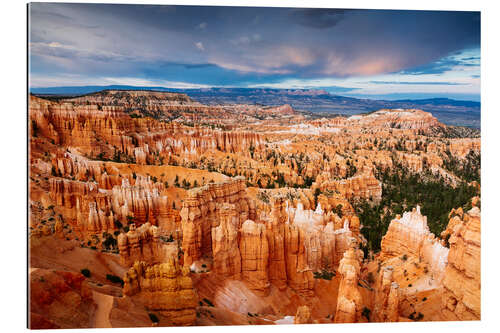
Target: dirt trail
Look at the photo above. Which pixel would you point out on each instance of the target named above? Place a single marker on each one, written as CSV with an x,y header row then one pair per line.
x,y
104,305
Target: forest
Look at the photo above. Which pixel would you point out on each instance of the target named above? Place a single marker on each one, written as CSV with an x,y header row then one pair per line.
x,y
402,190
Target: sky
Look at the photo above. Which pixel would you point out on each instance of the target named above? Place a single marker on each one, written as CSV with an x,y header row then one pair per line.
x,y
359,53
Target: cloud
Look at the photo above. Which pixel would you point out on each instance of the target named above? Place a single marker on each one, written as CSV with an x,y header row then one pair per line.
x,y
199,46
81,80
446,64
318,18
420,82
245,40
250,45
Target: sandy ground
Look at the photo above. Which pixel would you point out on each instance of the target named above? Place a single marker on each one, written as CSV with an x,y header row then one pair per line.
x,y
104,306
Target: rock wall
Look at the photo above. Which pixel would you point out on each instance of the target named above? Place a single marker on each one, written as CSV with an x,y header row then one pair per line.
x,y
303,315
254,248
164,288
142,201
386,297
201,212
349,301
407,119
59,299
146,244
225,250
409,235
462,278
108,129
361,186
93,210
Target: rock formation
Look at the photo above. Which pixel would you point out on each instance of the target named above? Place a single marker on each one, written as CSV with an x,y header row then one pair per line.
x,y
386,297
225,250
145,244
275,232
59,300
462,278
361,186
201,212
261,240
303,315
400,119
254,250
349,301
163,288
409,235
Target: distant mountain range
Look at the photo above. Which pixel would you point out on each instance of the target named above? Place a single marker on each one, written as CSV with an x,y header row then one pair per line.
x,y
448,111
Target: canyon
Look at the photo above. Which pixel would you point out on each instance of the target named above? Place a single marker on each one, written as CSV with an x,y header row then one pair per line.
x,y
148,208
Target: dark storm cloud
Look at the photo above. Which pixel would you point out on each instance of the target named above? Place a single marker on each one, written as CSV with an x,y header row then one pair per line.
x,y
244,45
317,18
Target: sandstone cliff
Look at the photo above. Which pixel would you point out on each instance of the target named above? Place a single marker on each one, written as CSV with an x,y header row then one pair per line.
x,y
303,315
59,300
462,277
201,212
163,288
145,244
409,235
254,250
386,297
349,302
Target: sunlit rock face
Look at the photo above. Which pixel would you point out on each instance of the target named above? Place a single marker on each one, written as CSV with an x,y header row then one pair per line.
x,y
254,250
145,244
409,235
362,186
462,277
109,129
225,250
165,288
397,118
349,302
201,212
386,297
303,315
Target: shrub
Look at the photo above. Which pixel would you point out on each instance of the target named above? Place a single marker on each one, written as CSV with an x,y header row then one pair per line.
x,y
324,274
208,302
366,313
404,257
154,318
168,239
85,272
114,279
118,224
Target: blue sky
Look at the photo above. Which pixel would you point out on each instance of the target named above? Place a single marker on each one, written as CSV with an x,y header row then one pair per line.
x,y
359,53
